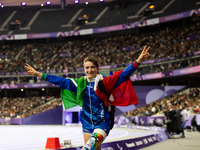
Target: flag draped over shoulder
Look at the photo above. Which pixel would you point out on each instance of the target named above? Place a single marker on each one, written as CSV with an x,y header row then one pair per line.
x,y
72,99
123,95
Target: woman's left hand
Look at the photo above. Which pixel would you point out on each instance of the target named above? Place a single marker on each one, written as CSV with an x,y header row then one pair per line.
x,y
143,55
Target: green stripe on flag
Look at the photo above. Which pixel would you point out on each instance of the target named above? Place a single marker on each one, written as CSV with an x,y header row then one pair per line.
x,y
71,99
68,98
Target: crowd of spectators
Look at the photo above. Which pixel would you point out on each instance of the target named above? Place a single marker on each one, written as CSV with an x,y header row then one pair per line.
x,y
169,66
189,98
165,66
8,55
166,43
21,107
10,50
37,54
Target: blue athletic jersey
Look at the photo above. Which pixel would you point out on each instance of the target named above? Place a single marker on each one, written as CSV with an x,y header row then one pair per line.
x,y
94,113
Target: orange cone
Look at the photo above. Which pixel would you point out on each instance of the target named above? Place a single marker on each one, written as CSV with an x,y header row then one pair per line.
x,y
53,143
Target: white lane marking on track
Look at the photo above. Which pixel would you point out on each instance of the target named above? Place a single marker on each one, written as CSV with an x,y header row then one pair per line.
x,y
123,133
41,137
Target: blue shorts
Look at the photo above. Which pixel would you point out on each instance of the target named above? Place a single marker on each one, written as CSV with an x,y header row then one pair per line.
x,y
89,128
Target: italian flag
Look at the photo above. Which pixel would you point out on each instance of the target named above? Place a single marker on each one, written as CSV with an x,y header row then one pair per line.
x,y
123,95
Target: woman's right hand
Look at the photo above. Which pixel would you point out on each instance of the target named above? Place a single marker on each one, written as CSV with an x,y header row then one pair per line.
x,y
32,71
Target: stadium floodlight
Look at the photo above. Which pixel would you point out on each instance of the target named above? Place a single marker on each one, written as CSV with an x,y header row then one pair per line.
x,y
23,3
42,5
1,4
76,1
48,3
101,0
86,3
151,7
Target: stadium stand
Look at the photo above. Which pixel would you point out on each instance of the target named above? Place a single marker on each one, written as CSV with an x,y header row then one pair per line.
x,y
109,51
21,107
57,19
23,16
4,15
174,46
188,97
166,41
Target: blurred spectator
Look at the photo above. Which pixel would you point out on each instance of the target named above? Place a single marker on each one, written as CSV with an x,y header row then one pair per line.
x,y
133,121
184,119
154,122
194,123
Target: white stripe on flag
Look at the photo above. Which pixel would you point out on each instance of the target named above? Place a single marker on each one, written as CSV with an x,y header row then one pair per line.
x,y
97,79
111,98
